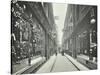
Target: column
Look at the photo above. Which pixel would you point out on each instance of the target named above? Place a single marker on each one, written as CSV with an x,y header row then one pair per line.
x,y
88,45
46,45
74,47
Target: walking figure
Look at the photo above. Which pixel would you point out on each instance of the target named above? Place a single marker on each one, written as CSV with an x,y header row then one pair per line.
x,y
29,61
56,53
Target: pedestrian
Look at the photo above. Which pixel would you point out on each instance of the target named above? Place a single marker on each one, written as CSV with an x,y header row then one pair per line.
x,y
29,58
56,53
62,53
29,61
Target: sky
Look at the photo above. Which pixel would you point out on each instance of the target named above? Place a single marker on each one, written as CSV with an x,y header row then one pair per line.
x,y
59,10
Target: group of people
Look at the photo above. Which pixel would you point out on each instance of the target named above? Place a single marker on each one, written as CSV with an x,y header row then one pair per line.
x,y
62,52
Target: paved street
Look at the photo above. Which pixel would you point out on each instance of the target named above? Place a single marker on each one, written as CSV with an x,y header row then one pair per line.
x,y
62,64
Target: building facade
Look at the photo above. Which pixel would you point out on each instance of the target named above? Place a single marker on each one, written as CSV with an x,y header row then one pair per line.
x,y
80,31
32,30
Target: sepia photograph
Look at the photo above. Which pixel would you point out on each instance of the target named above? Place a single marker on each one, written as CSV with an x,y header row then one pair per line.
x,y
48,37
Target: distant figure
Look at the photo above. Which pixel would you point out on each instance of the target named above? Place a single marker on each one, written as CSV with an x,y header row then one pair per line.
x,y
56,53
29,61
29,58
62,53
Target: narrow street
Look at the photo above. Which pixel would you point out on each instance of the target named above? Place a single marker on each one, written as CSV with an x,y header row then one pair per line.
x,y
62,64
52,37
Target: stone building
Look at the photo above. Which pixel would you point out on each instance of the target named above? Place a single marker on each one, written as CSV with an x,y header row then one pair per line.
x,y
34,28
80,31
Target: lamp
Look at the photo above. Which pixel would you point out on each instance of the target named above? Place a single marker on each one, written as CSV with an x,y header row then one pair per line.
x,y
92,21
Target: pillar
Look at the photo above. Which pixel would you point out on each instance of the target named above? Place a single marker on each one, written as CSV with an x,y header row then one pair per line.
x,y
74,47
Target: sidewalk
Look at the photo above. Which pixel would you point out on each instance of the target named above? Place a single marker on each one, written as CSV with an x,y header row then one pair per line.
x,y
46,68
85,61
76,63
86,58
24,64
